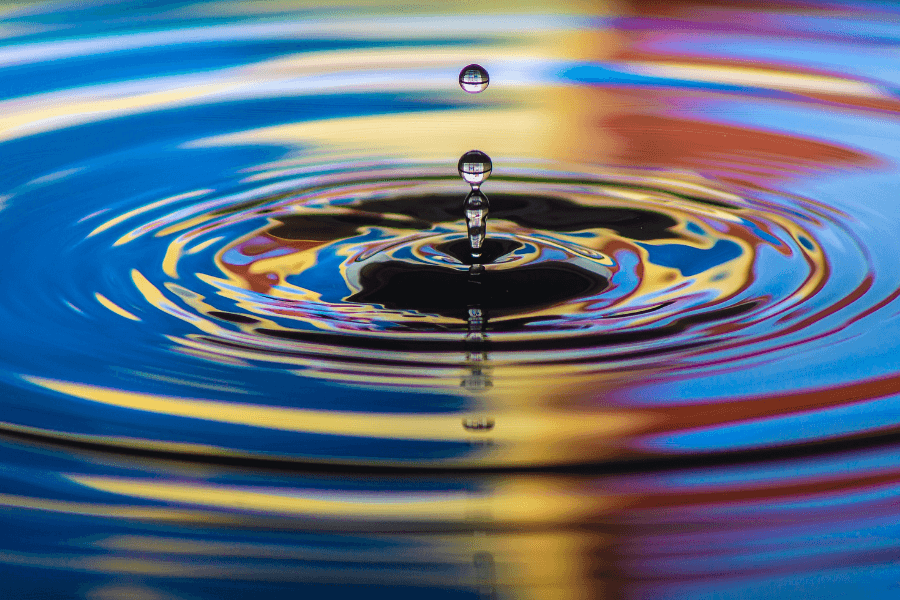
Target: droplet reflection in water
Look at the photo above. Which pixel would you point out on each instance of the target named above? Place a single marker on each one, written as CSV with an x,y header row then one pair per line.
x,y
478,423
475,167
474,79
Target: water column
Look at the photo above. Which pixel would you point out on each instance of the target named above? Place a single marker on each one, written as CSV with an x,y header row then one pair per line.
x,y
475,167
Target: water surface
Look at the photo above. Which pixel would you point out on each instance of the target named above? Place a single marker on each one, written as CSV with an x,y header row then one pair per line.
x,y
243,344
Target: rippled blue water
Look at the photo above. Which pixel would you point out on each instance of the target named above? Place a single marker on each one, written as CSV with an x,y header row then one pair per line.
x,y
241,350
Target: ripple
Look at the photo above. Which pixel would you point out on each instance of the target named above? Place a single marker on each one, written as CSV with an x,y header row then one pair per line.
x,y
582,262
263,253
359,274
245,346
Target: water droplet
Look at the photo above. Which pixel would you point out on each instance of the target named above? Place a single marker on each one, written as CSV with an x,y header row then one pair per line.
x,y
478,423
476,209
475,167
474,78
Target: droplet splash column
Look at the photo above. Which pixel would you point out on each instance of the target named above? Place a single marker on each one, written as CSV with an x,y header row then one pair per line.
x,y
475,167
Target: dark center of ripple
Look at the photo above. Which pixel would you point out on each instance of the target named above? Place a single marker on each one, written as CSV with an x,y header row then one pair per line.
x,y
524,286
534,211
448,292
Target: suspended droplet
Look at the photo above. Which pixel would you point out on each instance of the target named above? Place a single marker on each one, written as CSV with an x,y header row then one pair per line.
x,y
478,423
475,167
476,209
473,79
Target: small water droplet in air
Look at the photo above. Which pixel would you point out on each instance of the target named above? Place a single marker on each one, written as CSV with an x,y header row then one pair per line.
x,y
478,423
475,167
476,209
474,78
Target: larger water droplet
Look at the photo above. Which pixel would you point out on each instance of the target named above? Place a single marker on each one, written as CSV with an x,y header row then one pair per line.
x,y
473,79
475,167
